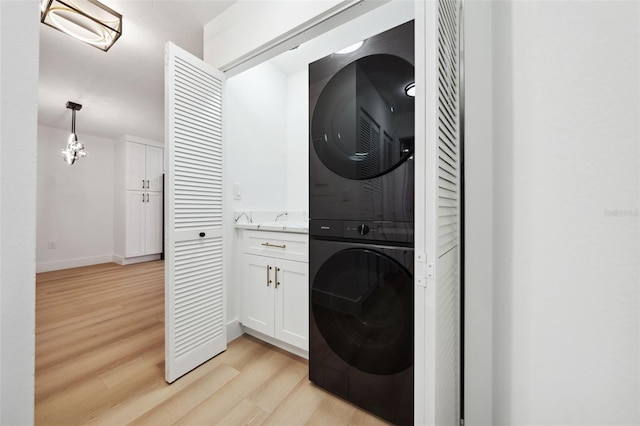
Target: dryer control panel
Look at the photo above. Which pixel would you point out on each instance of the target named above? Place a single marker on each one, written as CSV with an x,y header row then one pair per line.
x,y
386,231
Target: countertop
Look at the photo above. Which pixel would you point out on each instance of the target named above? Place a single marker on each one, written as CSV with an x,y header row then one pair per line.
x,y
274,221
285,226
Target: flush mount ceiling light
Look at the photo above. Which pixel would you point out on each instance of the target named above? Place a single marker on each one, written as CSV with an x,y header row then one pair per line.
x,y
87,20
410,90
74,150
351,48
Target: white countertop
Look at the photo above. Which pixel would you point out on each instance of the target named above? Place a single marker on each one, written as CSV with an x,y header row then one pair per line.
x,y
284,226
274,221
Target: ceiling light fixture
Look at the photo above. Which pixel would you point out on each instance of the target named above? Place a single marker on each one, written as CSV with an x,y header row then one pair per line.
x,y
410,90
86,20
351,48
74,150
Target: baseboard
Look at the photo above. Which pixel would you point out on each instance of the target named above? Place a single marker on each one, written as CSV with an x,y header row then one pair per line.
x,y
72,263
275,342
234,330
131,260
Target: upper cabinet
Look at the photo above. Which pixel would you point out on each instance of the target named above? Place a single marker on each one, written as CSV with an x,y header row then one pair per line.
x,y
144,166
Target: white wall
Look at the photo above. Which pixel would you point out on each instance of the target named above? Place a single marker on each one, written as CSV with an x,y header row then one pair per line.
x,y
255,157
18,134
566,297
75,203
298,141
256,135
478,213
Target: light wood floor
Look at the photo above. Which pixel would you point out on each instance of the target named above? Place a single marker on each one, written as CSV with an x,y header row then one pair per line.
x,y
100,360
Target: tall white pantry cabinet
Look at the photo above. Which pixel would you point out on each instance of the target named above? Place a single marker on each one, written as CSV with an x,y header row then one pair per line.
x,y
138,216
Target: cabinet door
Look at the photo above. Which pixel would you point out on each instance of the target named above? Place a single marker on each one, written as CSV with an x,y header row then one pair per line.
x,y
153,222
135,164
292,303
154,168
258,286
134,225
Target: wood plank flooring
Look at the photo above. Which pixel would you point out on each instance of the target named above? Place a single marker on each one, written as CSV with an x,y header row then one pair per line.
x,y
100,361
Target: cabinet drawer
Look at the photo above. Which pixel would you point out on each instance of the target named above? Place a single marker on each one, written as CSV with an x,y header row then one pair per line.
x,y
280,245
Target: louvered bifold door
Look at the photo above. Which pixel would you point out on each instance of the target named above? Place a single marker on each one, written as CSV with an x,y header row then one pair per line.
x,y
195,329
439,380
447,220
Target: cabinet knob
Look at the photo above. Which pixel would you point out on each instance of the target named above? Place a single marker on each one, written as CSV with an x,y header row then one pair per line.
x,y
202,234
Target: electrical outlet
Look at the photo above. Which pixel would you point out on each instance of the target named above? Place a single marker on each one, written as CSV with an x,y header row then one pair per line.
x,y
52,244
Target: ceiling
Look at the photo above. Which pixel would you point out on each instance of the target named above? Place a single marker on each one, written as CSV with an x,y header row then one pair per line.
x,y
122,90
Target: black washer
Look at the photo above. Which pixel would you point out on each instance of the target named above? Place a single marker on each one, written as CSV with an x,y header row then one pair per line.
x,y
361,325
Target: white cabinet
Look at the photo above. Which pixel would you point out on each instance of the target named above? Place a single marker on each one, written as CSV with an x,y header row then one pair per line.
x,y
135,224
143,224
144,165
153,222
138,214
275,289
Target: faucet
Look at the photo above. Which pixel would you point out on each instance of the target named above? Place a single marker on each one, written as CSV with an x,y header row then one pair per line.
x,y
249,218
280,215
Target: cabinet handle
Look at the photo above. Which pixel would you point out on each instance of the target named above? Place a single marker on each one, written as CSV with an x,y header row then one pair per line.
x,y
143,198
147,183
274,245
268,280
147,198
277,282
142,183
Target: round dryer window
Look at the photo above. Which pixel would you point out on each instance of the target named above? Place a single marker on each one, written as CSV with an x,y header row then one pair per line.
x,y
363,122
362,303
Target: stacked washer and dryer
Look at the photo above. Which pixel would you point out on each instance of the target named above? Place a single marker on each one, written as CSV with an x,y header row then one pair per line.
x,y
361,209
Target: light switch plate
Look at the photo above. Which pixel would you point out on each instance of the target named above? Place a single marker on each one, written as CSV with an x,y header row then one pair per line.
x,y
237,191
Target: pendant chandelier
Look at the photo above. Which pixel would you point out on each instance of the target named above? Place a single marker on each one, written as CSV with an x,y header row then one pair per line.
x,y
74,150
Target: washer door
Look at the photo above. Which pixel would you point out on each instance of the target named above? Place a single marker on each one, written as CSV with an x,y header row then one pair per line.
x,y
362,303
363,122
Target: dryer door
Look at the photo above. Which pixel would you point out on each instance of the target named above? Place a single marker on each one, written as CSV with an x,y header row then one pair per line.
x,y
363,122
362,303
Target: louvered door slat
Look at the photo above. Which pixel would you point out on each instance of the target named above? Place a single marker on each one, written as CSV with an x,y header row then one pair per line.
x,y
195,320
195,139
208,122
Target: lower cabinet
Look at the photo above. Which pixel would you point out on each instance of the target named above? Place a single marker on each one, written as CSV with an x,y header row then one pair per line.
x,y
275,298
143,223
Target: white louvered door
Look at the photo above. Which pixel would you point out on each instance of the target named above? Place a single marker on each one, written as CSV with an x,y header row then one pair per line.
x,y
195,328
438,290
